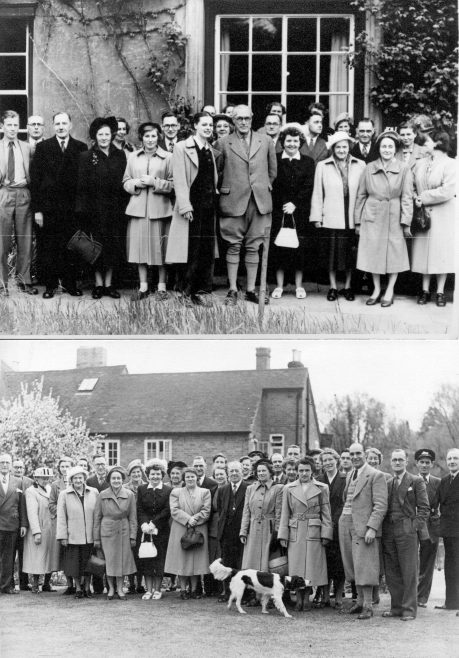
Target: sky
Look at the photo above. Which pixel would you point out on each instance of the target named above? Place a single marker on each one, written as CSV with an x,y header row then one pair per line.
x,y
404,374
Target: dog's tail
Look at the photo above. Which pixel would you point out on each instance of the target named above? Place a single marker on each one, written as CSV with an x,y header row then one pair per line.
x,y
219,571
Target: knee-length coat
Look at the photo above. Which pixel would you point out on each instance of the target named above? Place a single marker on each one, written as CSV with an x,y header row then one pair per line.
x,y
153,505
305,520
435,183
40,558
115,524
383,206
185,506
260,518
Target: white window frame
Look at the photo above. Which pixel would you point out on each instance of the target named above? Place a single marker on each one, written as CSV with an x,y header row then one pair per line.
x,y
26,54
278,446
148,449
88,384
284,94
104,446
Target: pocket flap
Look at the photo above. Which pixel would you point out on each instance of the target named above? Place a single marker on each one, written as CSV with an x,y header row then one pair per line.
x,y
315,522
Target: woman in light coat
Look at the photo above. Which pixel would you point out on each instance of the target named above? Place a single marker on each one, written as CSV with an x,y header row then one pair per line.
x,y
261,517
40,546
190,508
148,179
383,213
63,465
306,526
115,530
75,521
332,211
435,188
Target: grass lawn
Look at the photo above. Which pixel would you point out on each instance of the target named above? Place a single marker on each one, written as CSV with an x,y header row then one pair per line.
x,y
50,625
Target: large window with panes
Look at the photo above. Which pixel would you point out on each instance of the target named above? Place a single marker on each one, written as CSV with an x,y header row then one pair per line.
x,y
161,449
15,66
110,449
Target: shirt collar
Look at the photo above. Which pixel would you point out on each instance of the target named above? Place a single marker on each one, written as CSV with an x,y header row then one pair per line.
x,y
152,486
66,140
285,156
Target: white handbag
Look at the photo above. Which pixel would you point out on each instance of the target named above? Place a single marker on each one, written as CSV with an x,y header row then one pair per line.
x,y
147,549
287,237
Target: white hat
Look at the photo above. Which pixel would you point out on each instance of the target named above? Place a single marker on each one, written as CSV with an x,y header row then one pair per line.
x,y
339,136
76,470
43,472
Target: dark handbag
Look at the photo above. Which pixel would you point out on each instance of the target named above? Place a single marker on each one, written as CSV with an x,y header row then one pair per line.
x,y
85,246
96,564
421,220
192,539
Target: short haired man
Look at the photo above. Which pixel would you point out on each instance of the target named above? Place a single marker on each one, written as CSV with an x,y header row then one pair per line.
x,y
425,460
272,128
345,461
99,479
170,126
410,153
15,205
314,146
294,451
365,506
249,166
25,483
277,461
407,514
448,495
54,177
12,521
364,148
219,461
120,140
35,131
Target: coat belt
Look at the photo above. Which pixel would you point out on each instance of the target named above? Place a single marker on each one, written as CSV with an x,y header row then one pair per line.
x,y
304,516
262,517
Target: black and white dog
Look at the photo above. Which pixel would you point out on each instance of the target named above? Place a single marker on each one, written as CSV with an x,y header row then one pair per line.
x,y
265,584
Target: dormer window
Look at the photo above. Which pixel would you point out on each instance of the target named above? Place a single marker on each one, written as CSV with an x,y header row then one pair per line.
x,y
88,385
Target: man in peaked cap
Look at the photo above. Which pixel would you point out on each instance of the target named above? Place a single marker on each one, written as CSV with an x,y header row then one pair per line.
x,y
425,459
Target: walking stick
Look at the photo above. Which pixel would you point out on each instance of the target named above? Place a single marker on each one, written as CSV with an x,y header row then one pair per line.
x,y
264,271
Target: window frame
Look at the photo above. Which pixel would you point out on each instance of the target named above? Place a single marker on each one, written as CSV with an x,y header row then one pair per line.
x,y
167,443
103,447
277,447
23,14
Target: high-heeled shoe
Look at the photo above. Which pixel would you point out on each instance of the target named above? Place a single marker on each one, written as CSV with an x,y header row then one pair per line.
x,y
385,303
372,301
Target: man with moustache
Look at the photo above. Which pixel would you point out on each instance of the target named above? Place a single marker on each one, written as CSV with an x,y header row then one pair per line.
x,y
448,495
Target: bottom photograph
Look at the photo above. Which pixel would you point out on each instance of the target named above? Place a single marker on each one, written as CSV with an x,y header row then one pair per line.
x,y
198,480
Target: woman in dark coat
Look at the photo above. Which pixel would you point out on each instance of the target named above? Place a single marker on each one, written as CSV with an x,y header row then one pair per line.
x,y
101,201
292,191
153,514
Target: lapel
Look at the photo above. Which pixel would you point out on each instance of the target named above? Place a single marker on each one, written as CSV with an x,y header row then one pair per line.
x,y
190,150
240,494
255,144
13,486
403,487
362,479
108,493
236,146
303,496
188,500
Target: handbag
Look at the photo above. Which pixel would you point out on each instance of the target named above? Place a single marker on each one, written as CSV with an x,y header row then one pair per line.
x,y
147,549
191,539
85,246
96,563
421,219
287,237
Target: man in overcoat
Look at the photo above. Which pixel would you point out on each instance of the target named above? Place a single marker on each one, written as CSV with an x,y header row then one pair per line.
x,y
448,495
11,521
25,483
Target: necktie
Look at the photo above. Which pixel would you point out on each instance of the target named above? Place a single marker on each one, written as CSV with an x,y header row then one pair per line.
x,y
234,489
396,482
10,162
171,147
4,479
425,478
63,145
364,151
354,475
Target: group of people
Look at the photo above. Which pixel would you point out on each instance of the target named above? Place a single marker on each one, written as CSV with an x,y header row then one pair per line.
x,y
181,197
330,518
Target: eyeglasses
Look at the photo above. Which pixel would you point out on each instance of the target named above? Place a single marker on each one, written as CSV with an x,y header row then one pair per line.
x,y
170,125
241,119
35,124
272,123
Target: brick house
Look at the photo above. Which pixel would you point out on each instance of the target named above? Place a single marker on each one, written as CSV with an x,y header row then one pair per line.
x,y
180,415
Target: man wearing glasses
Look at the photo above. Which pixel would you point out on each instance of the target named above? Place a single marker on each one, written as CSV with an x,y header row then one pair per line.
x,y
170,126
248,168
35,130
272,128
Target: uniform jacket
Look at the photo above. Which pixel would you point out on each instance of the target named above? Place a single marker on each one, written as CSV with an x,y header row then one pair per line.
x,y
327,204
260,519
75,521
433,522
185,165
369,504
11,511
44,557
412,496
153,201
245,174
448,496
26,156
224,504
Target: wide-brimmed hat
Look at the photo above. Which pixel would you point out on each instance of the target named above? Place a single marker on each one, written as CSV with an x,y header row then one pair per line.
x,y
98,122
43,472
339,136
135,463
76,470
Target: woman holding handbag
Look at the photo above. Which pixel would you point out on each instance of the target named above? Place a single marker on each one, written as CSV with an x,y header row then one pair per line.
x,y
332,212
292,191
190,510
75,520
435,190
153,514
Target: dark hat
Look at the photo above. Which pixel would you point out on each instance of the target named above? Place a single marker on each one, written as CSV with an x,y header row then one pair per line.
x,y
424,452
257,453
172,465
222,117
98,122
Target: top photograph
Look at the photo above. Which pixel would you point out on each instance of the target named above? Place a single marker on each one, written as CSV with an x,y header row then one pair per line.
x,y
226,167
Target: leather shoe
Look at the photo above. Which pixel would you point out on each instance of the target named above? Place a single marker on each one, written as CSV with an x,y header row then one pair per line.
x,y
28,289
251,296
356,609
389,613
407,618
385,303
110,291
422,604
444,607
74,292
367,613
347,293
372,301
98,292
424,297
231,298
332,295
441,299
48,294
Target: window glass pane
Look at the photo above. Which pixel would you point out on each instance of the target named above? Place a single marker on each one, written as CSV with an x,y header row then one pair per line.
x,y
267,33
236,99
13,35
302,35
234,34
12,73
334,34
234,72
297,107
266,72
333,73
259,104
301,73
17,103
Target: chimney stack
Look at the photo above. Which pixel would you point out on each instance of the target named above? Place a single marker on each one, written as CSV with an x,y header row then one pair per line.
x,y
296,360
91,357
263,358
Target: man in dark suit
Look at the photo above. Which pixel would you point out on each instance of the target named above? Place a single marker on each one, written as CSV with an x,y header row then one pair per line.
x,y
272,128
277,461
364,148
54,176
170,126
448,495
25,483
314,146
407,514
230,505
11,522
425,458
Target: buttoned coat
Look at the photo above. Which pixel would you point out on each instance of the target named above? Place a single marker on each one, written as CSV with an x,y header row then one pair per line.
x,y
194,561
12,514
154,201
44,557
448,496
225,521
305,520
383,206
260,519
115,524
75,522
185,164
327,203
369,504
244,174
412,496
26,156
